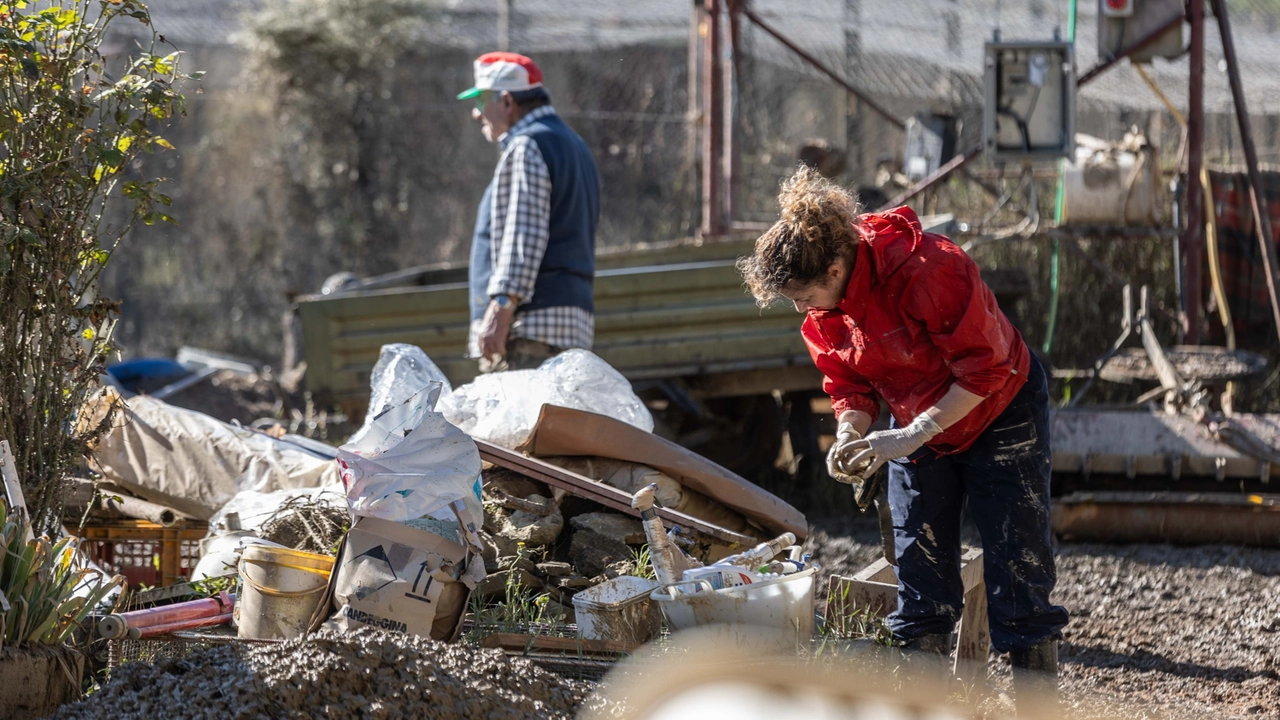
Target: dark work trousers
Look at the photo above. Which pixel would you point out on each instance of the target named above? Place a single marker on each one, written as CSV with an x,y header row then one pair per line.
x,y
1005,476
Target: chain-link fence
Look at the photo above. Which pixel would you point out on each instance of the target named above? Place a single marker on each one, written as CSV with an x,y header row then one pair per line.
x,y
327,139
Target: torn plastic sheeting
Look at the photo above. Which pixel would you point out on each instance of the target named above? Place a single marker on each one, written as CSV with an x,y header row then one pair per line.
x,y
564,431
256,508
411,463
401,371
503,407
192,462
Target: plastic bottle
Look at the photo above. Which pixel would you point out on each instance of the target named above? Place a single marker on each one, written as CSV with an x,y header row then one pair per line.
x,y
720,576
662,553
760,554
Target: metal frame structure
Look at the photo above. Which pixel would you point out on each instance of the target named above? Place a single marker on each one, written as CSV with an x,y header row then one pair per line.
x,y
719,159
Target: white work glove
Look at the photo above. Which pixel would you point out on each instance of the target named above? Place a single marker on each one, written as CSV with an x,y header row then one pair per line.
x,y
838,457
882,446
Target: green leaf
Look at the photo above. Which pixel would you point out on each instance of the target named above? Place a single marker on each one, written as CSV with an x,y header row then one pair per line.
x,y
30,69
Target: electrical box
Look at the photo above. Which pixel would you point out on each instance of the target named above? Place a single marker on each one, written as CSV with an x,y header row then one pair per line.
x,y
1122,27
1029,100
1117,8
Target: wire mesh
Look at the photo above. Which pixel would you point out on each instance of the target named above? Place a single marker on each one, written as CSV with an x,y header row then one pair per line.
x,y
302,159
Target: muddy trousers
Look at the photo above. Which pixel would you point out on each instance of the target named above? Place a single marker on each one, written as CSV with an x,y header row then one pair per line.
x,y
1004,477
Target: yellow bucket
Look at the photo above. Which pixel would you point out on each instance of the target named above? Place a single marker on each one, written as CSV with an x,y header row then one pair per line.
x,y
280,589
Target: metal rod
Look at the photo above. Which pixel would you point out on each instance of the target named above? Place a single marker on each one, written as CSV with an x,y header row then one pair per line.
x,y
712,126
1193,238
1155,35
728,154
1257,198
951,166
960,160
820,67
504,24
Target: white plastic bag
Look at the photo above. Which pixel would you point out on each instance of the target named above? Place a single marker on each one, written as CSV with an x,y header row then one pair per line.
x,y
402,370
411,463
503,407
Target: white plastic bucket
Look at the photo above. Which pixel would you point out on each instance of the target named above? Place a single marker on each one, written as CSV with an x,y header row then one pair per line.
x,y
620,610
281,589
778,609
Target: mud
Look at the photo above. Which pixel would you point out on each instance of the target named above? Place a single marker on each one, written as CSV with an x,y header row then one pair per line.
x,y
1155,631
366,674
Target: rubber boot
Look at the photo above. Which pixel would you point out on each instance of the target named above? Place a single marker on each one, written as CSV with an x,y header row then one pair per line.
x,y
1035,680
928,658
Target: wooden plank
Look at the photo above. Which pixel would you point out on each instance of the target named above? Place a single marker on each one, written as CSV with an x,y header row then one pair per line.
x,y
543,643
610,497
973,634
876,587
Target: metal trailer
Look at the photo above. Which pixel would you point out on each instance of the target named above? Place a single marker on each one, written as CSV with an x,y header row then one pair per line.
x,y
675,319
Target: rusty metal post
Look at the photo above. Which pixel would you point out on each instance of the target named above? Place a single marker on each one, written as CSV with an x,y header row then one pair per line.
x,y
728,153
712,122
1257,196
1193,239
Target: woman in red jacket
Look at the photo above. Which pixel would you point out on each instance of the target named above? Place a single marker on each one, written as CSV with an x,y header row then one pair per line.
x,y
901,315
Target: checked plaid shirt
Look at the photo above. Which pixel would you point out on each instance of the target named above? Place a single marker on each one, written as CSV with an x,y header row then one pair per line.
x,y
520,222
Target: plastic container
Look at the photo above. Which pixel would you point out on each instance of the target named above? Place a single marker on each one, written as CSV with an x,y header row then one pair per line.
x,y
778,609
281,589
620,610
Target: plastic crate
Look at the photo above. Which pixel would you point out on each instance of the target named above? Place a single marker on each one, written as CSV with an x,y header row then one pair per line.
x,y
143,552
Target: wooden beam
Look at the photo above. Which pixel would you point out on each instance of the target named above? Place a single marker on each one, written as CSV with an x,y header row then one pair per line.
x,y
611,497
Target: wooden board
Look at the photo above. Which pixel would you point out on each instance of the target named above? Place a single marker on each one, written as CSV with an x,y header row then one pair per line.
x,y
875,588
610,497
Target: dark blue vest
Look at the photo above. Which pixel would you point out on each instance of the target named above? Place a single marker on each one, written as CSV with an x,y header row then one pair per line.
x,y
567,269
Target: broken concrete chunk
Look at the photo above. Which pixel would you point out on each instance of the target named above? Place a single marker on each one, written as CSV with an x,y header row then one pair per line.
x,y
555,569
618,569
602,539
512,483
533,530
495,585
620,528
573,582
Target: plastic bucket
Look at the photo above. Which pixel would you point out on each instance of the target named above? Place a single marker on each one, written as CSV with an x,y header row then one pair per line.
x,y
777,610
620,610
281,590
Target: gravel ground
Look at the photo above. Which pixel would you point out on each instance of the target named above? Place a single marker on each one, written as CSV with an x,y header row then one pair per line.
x,y
1156,630
367,674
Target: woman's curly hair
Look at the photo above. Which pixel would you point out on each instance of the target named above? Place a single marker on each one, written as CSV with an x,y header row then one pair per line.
x,y
817,226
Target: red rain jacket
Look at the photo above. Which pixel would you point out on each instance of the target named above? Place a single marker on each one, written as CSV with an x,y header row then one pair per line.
x,y
915,318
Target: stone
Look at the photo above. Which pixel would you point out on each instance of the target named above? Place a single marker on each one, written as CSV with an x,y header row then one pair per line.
x,y
495,585
526,527
623,529
512,483
555,569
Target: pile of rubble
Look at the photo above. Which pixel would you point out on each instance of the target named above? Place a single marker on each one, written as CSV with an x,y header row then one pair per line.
x,y
365,673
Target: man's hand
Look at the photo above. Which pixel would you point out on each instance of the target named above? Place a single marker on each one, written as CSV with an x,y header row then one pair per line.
x,y
882,446
494,329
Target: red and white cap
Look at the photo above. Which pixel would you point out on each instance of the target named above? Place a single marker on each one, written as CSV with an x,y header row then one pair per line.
x,y
504,72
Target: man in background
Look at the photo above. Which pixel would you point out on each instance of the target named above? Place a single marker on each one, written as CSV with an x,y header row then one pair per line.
x,y
533,253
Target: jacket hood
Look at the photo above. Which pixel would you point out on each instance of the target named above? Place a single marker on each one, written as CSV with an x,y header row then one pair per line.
x,y
892,236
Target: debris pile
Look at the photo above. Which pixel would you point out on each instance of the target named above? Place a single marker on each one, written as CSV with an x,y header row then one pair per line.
x,y
364,673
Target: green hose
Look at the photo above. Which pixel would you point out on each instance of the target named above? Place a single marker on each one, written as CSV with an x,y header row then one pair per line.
x,y
1055,259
